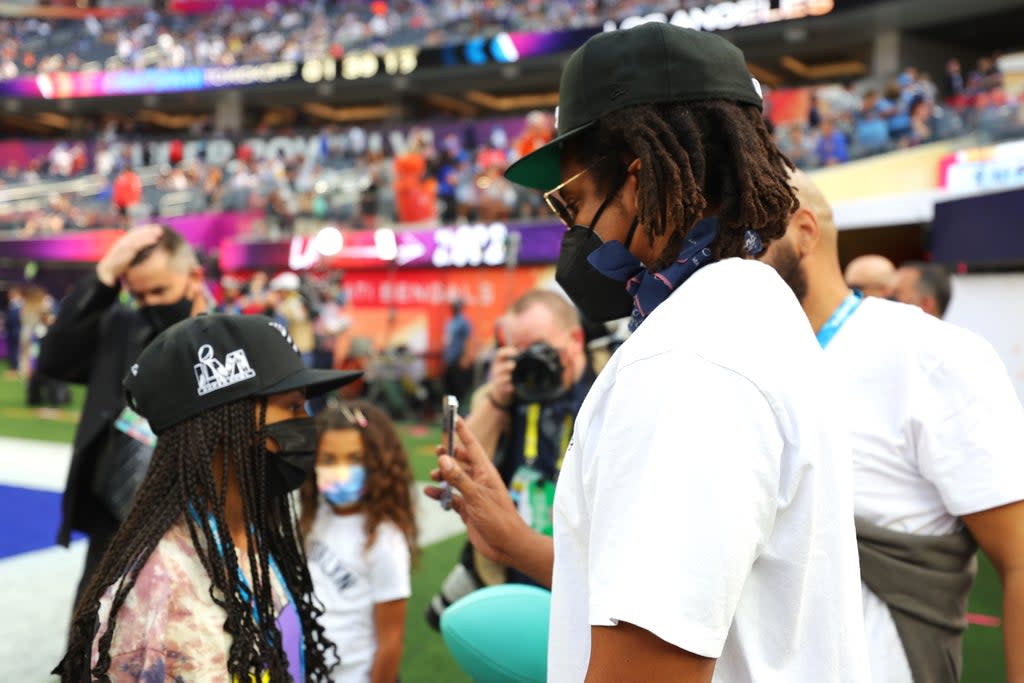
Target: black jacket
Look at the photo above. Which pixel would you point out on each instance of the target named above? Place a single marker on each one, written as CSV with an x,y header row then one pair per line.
x,y
93,342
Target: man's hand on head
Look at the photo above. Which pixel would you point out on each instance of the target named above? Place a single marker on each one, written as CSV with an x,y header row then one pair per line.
x,y
115,262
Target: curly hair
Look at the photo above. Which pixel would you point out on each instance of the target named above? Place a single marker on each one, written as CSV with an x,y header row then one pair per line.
x,y
388,473
181,486
708,155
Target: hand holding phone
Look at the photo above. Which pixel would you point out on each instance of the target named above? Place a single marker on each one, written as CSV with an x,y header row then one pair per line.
x,y
449,411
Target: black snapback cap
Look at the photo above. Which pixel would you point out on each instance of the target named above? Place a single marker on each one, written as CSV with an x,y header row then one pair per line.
x,y
654,63
212,360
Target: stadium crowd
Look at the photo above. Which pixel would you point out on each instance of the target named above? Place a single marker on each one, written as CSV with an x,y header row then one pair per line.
x,y
459,177
287,31
853,121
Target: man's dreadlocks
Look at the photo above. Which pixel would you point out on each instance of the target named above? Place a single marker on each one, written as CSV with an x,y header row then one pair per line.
x,y
180,484
710,155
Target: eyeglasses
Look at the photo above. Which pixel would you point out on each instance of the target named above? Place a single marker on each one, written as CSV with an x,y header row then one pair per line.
x,y
556,204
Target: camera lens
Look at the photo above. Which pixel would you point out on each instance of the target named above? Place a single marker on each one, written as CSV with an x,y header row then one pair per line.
x,y
538,374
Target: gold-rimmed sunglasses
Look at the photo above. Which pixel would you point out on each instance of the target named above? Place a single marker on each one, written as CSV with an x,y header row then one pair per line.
x,y
556,204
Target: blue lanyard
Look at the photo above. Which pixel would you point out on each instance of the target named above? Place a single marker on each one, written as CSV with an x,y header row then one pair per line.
x,y
243,583
841,315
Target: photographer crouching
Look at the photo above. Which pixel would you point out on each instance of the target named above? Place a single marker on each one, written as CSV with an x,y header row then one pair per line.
x,y
524,414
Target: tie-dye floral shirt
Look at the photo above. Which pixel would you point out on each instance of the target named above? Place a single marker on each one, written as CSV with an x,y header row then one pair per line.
x,y
169,628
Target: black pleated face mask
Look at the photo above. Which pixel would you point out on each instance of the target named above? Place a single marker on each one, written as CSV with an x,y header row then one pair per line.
x,y
295,457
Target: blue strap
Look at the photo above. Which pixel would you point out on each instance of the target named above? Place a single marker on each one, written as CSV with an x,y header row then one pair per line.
x,y
839,317
243,583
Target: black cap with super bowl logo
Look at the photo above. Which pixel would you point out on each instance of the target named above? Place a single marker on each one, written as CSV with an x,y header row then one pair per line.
x,y
212,360
654,63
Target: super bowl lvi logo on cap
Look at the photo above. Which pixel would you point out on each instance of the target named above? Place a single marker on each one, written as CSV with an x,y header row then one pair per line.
x,y
212,374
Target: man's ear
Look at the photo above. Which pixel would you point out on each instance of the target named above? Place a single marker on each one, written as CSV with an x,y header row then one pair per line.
x,y
804,231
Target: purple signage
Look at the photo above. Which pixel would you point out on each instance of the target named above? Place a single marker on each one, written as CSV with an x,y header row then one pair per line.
x,y
462,246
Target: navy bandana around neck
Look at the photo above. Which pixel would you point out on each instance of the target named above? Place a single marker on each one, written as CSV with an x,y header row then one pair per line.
x,y
648,289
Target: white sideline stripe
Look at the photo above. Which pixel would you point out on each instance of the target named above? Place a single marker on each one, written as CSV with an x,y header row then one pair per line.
x,y
30,464
435,524
37,591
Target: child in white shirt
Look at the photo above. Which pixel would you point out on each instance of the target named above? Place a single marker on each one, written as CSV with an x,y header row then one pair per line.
x,y
361,538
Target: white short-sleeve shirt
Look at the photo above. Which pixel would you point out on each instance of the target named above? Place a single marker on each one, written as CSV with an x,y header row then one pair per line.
x,y
706,496
936,432
349,579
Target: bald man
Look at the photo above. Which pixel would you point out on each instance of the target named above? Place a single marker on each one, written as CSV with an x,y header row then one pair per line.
x,y
871,274
935,429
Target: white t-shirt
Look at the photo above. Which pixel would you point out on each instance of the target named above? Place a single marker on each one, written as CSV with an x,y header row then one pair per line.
x,y
350,579
936,433
706,496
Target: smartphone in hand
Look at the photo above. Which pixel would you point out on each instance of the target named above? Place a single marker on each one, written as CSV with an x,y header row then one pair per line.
x,y
449,411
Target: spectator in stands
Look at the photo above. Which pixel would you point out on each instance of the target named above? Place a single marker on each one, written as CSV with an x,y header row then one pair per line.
x,y
846,103
920,122
871,274
925,285
800,146
103,163
953,82
448,178
832,147
94,341
814,111
871,131
415,192
985,77
496,196
61,160
127,191
538,132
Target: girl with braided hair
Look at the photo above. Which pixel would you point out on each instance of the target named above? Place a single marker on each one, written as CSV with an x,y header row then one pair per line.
x,y
357,511
703,516
207,578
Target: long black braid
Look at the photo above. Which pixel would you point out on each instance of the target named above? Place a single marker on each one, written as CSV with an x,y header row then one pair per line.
x,y
180,485
695,156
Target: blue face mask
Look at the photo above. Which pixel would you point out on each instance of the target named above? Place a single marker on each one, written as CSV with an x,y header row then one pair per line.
x,y
341,484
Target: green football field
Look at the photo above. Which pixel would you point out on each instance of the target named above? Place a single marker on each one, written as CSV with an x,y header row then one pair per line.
x,y
426,659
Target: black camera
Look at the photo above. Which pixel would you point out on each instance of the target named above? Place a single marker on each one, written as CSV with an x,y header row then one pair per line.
x,y
538,374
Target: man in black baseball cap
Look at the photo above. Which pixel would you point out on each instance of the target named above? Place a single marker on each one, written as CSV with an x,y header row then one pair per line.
x,y
703,520
210,546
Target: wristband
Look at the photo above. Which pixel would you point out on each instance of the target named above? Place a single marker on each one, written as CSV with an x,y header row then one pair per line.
x,y
494,402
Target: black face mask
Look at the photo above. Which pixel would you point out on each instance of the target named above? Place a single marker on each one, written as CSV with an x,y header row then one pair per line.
x,y
600,298
159,318
295,456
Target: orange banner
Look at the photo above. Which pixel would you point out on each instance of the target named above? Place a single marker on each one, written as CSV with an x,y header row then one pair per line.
x,y
412,307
